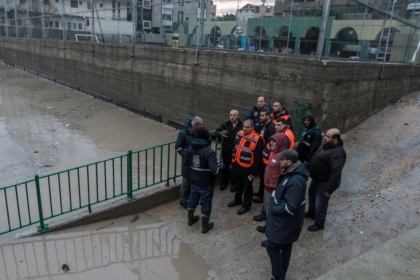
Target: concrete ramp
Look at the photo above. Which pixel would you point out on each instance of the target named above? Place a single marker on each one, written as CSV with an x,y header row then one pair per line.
x,y
398,258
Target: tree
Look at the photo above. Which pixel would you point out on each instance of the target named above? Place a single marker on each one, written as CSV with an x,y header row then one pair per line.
x,y
226,17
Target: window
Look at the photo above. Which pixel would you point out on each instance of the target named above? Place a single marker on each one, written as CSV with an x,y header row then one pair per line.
x,y
167,17
181,2
80,26
80,3
46,2
186,18
74,25
56,1
68,25
74,4
51,24
101,5
57,25
180,16
146,4
87,22
88,5
147,24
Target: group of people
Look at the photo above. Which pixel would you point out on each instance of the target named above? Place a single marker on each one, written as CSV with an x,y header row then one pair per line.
x,y
263,146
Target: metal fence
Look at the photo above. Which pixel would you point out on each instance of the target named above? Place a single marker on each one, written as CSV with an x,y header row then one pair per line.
x,y
55,194
380,30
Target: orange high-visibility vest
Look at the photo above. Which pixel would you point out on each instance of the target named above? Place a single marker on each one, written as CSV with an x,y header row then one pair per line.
x,y
245,145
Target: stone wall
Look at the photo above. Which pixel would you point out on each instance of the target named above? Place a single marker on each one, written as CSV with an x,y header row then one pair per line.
x,y
170,83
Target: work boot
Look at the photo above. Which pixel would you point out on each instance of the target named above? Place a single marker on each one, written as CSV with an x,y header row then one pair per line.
x,y
206,225
232,188
191,218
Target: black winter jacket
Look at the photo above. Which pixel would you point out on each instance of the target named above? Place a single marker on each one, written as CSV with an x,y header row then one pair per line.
x,y
203,163
254,115
327,164
285,218
311,140
184,140
229,141
269,130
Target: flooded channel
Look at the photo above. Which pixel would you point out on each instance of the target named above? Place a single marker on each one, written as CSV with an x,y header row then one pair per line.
x,y
45,128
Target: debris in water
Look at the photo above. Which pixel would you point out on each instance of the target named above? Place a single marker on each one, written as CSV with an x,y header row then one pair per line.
x,y
361,232
35,152
405,123
135,218
105,226
67,125
48,165
65,267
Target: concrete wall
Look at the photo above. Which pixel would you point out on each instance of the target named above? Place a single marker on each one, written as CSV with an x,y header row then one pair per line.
x,y
168,82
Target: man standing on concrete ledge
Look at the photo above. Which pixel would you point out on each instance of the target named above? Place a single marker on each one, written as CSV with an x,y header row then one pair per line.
x,y
285,217
228,131
325,170
204,168
246,159
185,137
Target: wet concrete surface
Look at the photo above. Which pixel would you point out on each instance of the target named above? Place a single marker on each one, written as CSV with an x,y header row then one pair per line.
x,y
377,201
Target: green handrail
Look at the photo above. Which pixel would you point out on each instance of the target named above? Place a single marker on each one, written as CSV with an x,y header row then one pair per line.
x,y
58,193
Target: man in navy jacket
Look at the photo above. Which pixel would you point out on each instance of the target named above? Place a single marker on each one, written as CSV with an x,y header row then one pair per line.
x,y
285,218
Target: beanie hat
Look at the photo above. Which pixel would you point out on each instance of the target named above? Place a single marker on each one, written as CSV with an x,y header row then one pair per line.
x,y
203,133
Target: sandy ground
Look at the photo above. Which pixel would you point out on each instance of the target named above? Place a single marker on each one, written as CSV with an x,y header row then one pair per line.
x,y
377,201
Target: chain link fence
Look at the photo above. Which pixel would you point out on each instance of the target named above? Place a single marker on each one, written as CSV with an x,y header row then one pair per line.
x,y
379,30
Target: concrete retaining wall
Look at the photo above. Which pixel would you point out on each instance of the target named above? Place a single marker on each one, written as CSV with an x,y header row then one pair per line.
x,y
167,81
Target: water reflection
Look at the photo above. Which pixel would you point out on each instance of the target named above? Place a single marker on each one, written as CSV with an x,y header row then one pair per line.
x,y
141,250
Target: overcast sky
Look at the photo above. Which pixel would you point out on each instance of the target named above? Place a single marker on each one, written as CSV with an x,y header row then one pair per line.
x,y
230,6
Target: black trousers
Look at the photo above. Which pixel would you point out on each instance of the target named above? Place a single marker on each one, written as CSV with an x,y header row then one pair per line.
x,y
279,257
227,161
243,187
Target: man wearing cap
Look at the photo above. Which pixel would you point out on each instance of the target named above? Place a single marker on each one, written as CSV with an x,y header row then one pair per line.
x,y
325,169
204,167
228,131
246,159
185,137
285,217
310,141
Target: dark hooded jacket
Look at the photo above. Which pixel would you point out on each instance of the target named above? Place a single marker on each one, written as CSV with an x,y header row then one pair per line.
x,y
229,141
184,140
254,115
285,218
327,164
202,161
311,140
273,170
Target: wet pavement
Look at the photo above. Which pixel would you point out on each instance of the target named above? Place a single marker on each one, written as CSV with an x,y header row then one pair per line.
x,y
377,202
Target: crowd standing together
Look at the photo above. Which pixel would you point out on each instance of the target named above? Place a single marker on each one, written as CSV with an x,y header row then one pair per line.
x,y
263,145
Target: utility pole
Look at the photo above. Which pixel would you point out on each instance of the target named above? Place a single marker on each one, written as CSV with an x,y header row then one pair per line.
x,y
290,26
92,20
15,12
321,38
262,20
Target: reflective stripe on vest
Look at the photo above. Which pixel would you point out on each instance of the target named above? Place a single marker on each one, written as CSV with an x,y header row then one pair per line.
x,y
266,154
243,153
286,117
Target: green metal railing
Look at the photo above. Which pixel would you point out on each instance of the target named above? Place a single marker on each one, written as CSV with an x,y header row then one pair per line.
x,y
48,196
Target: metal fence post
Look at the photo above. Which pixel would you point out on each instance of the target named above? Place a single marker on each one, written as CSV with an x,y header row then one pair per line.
x,y
321,38
130,175
42,226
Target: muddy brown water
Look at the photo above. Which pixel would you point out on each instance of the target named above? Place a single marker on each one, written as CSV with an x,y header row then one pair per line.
x,y
45,128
